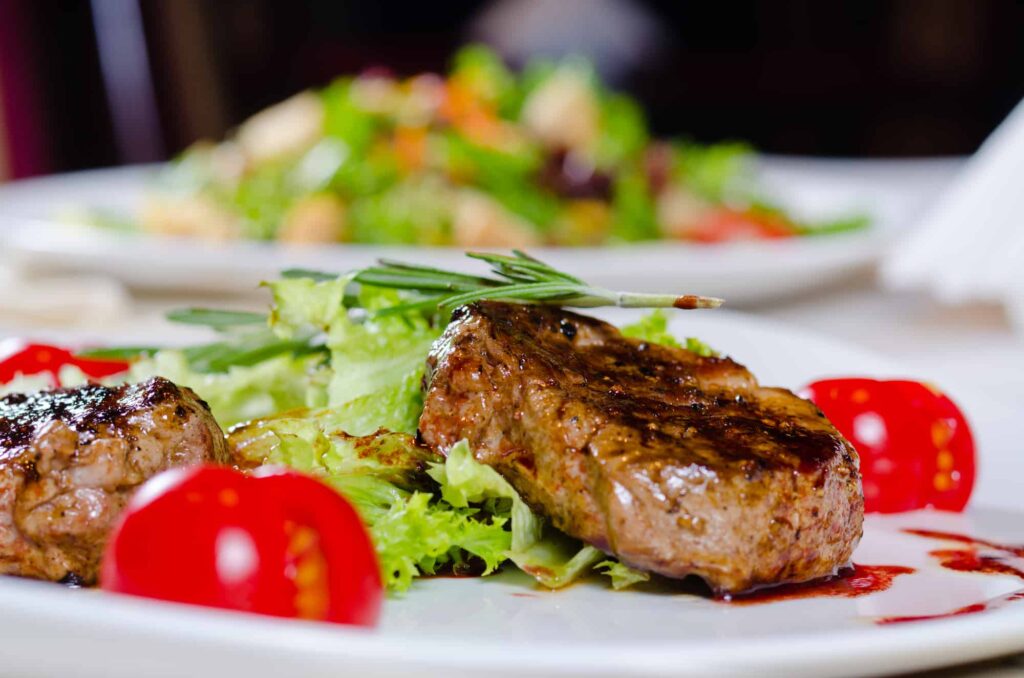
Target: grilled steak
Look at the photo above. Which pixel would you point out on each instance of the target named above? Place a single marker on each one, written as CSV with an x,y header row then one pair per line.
x,y
675,463
70,459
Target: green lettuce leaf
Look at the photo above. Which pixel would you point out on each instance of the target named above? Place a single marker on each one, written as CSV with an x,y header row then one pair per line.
x,y
420,535
716,172
466,481
383,475
634,217
347,122
549,556
623,131
377,362
695,345
310,440
242,393
417,211
622,576
653,327
484,73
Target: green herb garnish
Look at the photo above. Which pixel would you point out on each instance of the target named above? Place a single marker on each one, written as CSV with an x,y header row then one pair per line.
x,y
425,291
216,318
522,279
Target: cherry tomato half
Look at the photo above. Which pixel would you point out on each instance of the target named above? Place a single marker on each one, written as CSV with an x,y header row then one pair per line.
x,y
19,358
916,448
276,543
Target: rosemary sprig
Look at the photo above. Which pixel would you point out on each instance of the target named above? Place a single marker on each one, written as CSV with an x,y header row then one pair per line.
x,y
216,318
249,349
520,278
432,291
117,352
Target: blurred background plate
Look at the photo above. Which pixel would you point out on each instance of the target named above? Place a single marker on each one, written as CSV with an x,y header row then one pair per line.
x,y
40,235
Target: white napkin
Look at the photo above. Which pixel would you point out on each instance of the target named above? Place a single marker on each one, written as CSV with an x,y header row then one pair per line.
x,y
970,245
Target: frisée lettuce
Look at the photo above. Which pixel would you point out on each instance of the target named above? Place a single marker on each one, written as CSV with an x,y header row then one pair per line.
x,y
376,361
425,512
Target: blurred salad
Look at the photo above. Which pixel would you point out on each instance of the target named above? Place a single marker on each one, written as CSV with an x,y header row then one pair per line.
x,y
481,158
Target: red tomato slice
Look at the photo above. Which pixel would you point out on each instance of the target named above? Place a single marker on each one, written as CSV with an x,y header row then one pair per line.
x,y
19,358
279,544
916,448
949,463
336,571
727,224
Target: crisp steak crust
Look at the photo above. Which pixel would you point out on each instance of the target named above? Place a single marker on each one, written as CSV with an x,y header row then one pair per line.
x,y
675,463
70,459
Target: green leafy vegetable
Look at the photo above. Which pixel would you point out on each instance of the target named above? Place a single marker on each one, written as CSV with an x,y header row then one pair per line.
x,y
716,172
653,327
395,156
216,318
482,72
419,536
243,392
551,557
695,345
118,352
377,361
465,481
634,217
347,122
624,131
383,475
409,213
622,576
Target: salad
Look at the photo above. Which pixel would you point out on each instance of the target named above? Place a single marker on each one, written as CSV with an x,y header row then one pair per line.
x,y
338,494
483,157
328,383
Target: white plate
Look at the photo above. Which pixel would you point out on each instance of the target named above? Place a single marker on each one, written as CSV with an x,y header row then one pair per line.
x,y
505,626
892,191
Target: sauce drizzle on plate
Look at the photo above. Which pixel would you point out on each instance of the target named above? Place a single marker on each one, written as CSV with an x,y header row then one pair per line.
x,y
979,556
850,582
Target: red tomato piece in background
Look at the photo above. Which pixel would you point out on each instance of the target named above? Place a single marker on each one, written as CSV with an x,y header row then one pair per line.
x,y
726,225
19,358
277,543
916,448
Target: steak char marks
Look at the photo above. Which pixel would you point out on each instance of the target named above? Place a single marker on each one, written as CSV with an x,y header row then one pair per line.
x,y
70,459
675,463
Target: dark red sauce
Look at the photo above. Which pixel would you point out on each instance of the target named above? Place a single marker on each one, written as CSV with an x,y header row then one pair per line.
x,y
850,582
969,560
980,556
1016,550
992,604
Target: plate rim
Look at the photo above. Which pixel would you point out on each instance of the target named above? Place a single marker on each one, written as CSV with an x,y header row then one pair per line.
x,y
872,649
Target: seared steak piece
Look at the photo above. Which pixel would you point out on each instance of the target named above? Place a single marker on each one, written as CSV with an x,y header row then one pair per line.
x,y
675,463
70,459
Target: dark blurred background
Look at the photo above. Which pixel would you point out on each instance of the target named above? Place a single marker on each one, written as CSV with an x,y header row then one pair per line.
x,y
102,82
